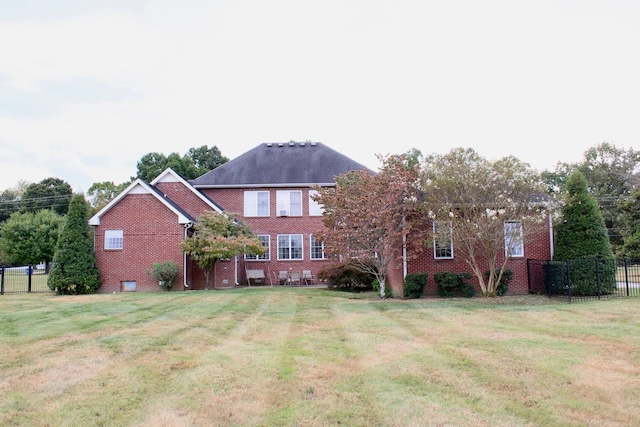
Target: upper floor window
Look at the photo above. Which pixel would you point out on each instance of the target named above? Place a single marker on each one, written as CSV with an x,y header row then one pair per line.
x,y
317,248
513,240
442,240
289,202
265,240
315,208
256,203
290,246
113,239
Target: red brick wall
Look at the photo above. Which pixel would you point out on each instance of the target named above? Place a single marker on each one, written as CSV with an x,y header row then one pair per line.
x,y
151,234
184,197
535,247
232,200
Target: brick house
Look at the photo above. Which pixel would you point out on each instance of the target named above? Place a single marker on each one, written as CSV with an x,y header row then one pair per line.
x,y
270,188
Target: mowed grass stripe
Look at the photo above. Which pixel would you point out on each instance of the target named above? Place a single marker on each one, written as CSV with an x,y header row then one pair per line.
x,y
310,357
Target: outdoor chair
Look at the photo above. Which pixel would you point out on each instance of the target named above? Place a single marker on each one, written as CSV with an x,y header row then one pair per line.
x,y
307,277
283,277
294,278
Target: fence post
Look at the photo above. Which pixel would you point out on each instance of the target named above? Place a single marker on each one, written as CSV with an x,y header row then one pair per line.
x,y
547,277
626,274
569,279
1,280
598,276
29,269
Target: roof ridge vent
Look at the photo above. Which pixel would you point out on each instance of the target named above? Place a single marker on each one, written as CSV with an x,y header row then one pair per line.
x,y
280,144
292,144
269,144
302,144
313,144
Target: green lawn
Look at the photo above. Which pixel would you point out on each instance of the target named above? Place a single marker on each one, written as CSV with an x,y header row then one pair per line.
x,y
314,357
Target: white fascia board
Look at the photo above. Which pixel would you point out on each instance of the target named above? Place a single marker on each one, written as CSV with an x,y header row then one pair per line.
x,y
137,187
296,185
169,175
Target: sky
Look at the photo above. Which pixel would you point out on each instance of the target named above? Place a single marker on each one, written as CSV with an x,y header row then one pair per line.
x,y
88,87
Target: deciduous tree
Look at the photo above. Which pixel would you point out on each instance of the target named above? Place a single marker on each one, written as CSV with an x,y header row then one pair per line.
x,y
11,200
631,220
29,238
101,193
195,162
489,208
50,193
369,217
206,159
219,236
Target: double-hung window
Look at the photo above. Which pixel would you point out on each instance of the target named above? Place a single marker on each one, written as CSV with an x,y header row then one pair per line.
x,y
290,246
113,239
256,203
315,208
289,202
442,240
265,240
513,240
317,248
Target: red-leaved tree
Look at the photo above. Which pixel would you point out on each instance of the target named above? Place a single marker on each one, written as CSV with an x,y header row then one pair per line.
x,y
371,217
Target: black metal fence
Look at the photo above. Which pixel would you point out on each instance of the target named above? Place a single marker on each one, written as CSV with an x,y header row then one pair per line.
x,y
585,279
16,279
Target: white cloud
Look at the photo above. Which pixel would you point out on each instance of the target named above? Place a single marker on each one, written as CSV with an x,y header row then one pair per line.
x,y
540,80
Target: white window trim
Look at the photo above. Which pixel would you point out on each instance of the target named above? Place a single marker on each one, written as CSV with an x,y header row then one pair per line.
x,y
311,248
289,237
251,203
112,238
315,208
435,252
265,257
283,203
517,249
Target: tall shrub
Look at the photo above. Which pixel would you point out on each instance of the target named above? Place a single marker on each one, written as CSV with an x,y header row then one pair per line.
x,y
582,234
74,268
414,284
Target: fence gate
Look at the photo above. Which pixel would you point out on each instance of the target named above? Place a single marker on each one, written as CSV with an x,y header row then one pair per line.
x,y
16,279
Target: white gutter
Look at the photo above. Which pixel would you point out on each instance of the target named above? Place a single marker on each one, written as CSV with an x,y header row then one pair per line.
x,y
184,259
551,248
404,257
235,272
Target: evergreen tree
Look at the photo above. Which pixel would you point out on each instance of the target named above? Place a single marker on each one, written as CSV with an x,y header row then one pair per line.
x,y
74,264
582,232
582,238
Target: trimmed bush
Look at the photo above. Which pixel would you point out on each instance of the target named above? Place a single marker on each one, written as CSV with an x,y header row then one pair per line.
x,y
165,273
588,277
454,284
345,277
414,284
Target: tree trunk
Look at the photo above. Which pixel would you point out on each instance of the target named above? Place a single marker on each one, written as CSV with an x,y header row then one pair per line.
x,y
383,290
207,272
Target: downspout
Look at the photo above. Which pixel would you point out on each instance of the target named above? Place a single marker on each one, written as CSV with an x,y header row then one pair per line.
x,y
235,272
551,248
404,256
185,284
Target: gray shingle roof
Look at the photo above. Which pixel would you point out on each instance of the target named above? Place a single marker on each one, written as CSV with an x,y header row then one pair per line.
x,y
280,164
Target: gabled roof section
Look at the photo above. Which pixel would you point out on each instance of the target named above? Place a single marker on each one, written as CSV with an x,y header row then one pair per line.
x,y
283,164
140,187
169,175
